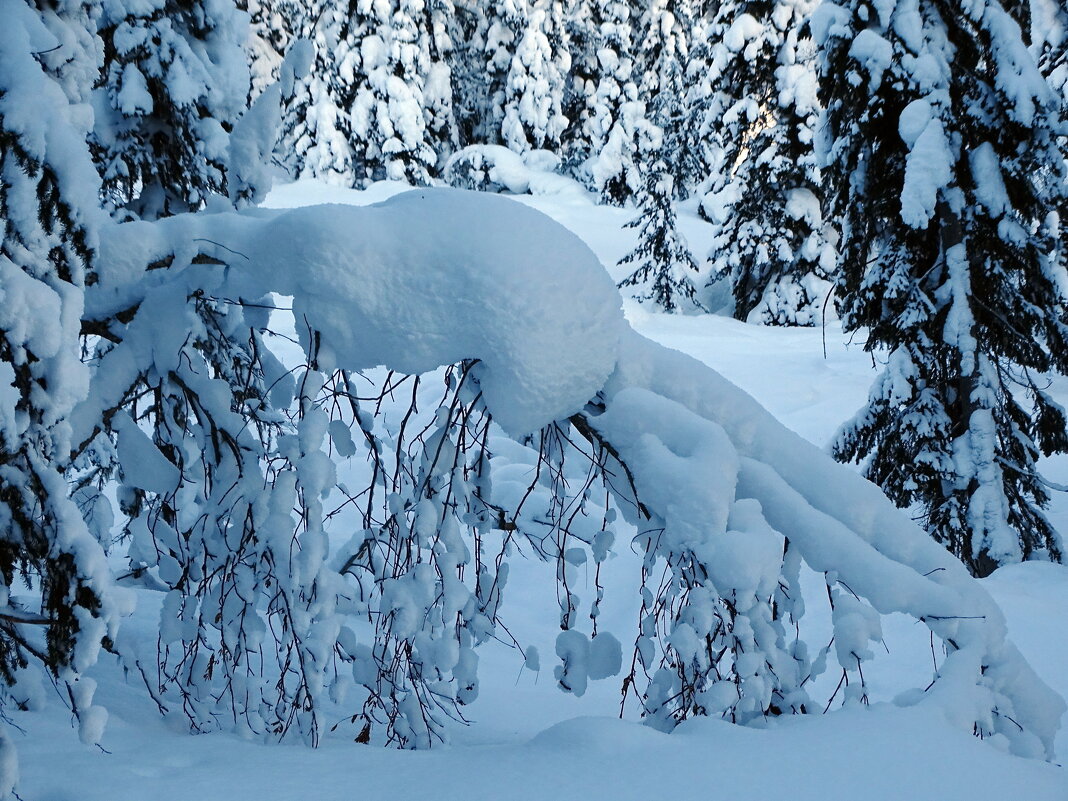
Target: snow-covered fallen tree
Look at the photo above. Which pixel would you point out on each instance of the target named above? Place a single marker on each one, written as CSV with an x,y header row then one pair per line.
x,y
279,607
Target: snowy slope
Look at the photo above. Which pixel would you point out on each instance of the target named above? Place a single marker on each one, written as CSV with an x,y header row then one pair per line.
x,y
530,741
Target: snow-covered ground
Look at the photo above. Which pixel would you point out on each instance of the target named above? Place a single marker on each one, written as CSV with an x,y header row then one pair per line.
x,y
528,740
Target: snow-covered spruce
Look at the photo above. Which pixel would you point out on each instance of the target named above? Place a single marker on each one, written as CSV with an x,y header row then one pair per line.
x,y
723,636
174,80
665,268
949,176
675,101
64,608
771,247
534,88
272,29
611,127
1045,29
378,101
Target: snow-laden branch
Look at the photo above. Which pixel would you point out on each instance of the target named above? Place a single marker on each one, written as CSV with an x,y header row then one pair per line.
x,y
842,524
733,501
427,278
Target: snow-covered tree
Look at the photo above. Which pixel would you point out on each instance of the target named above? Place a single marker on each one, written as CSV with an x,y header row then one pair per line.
x,y
664,60
389,125
378,101
734,41
579,84
503,27
438,31
771,247
534,88
665,266
1045,28
468,68
948,179
611,116
384,624
314,137
273,26
175,80
53,574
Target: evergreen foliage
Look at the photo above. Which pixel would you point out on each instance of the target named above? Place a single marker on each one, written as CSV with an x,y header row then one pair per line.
x,y
771,247
174,81
667,27
949,177
534,89
53,575
314,138
615,125
665,266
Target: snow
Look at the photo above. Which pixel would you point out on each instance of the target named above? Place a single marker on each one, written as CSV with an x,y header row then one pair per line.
x,y
357,261
142,463
527,741
874,53
496,168
928,168
989,182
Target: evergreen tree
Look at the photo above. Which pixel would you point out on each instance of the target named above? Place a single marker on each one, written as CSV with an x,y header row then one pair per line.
x,y
949,179
48,222
314,138
471,76
534,89
667,26
438,27
665,266
175,80
273,25
771,246
378,102
389,126
504,28
615,128
579,84
1045,23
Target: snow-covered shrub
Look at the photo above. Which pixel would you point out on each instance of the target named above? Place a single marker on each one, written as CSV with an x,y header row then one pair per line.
x,y
479,167
493,168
